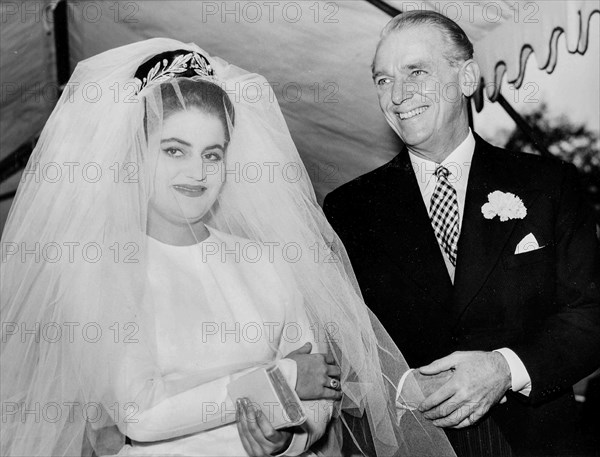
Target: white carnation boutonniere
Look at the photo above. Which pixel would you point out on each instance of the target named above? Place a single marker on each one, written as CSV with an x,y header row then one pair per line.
x,y
504,205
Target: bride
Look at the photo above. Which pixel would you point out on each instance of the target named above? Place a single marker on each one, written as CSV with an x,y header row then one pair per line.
x,y
179,248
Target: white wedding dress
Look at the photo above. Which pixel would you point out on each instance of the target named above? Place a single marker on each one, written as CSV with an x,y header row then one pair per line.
x,y
221,307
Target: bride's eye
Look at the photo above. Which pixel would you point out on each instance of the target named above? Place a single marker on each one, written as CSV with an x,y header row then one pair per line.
x,y
173,152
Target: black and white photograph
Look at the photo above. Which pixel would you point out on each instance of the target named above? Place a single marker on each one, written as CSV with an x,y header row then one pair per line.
x,y
352,228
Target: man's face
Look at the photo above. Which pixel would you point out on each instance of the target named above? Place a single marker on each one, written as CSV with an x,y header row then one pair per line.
x,y
419,91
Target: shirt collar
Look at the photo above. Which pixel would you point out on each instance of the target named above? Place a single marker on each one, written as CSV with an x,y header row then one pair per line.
x,y
458,163
461,156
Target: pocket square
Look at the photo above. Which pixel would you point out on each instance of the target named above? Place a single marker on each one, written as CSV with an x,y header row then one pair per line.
x,y
529,243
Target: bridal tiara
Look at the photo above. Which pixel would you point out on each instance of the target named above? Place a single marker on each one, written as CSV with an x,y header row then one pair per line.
x,y
172,64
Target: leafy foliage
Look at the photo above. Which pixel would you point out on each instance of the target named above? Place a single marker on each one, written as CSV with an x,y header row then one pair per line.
x,y
570,142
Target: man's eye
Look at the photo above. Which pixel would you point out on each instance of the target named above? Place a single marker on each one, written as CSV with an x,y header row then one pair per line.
x,y
173,152
213,156
418,72
382,81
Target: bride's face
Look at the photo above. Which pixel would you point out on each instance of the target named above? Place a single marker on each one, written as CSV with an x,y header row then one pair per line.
x,y
189,169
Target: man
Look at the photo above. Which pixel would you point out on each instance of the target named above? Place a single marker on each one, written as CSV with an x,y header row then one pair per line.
x,y
461,246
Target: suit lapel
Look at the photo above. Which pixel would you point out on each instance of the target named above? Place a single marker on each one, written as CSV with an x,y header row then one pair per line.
x,y
481,240
402,227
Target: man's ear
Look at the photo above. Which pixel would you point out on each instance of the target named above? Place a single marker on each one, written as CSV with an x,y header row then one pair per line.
x,y
469,77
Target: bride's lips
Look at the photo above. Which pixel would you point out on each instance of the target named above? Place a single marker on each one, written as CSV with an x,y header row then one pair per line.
x,y
189,191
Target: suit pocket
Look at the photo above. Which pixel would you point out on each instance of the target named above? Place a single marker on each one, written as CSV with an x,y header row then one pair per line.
x,y
544,254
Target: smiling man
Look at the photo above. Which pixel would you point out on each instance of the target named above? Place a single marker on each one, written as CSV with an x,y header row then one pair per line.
x,y
483,263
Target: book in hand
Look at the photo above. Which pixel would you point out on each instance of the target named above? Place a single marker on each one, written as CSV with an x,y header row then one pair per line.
x,y
267,389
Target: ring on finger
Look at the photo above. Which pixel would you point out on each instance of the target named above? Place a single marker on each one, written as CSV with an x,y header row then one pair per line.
x,y
334,384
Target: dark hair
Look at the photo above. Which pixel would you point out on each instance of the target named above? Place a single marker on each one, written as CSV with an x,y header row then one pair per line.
x,y
203,95
459,49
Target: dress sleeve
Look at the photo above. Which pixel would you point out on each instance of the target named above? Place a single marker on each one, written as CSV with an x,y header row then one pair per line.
x,y
164,407
157,407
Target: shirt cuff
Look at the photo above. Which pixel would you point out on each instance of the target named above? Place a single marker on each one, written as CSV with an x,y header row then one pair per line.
x,y
520,380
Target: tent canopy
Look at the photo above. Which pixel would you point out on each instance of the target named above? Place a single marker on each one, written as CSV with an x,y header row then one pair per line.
x,y
316,55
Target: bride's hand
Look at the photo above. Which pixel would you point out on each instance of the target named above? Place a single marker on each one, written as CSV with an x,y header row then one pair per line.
x,y
258,436
318,375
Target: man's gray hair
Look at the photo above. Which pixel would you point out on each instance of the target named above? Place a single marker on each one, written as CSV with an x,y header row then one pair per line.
x,y
459,49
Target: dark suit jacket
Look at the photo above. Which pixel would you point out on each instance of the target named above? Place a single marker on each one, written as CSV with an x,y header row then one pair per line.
x,y
543,304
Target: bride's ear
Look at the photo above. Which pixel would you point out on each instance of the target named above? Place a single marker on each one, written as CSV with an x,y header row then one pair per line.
x,y
469,77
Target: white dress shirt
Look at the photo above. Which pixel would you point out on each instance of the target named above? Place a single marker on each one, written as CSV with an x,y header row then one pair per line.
x,y
458,164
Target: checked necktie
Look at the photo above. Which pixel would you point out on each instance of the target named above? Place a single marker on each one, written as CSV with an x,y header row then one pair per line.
x,y
444,214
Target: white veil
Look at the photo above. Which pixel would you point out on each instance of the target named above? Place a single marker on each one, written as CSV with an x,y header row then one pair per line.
x,y
74,255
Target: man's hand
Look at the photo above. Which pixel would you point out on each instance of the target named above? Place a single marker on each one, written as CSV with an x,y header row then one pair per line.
x,y
480,380
418,386
429,384
315,372
258,436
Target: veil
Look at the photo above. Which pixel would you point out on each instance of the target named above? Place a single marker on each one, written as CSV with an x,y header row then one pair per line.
x,y
78,325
